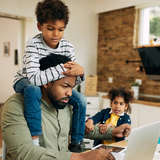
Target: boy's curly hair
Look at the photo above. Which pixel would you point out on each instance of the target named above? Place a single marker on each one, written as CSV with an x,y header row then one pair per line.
x,y
121,92
52,10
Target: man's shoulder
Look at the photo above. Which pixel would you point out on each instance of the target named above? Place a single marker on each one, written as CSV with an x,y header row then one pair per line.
x,y
14,103
15,97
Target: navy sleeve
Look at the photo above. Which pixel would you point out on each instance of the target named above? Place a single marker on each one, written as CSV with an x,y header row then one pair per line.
x,y
127,119
98,117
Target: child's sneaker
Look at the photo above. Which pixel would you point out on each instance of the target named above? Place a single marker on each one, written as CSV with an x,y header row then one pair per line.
x,y
77,147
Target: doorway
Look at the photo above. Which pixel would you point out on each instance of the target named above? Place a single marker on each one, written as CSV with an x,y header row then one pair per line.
x,y
10,53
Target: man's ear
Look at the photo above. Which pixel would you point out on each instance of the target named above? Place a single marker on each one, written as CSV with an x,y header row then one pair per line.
x,y
49,84
39,26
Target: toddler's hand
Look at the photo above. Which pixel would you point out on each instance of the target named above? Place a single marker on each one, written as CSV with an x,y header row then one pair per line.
x,y
73,69
89,125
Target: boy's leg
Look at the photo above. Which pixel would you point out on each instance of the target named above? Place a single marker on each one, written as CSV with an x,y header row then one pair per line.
x,y
78,119
32,110
20,85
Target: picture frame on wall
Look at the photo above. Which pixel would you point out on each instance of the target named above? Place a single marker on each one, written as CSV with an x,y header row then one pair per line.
x,y
6,48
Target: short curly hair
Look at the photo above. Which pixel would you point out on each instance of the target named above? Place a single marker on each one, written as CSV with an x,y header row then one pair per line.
x,y
121,92
53,10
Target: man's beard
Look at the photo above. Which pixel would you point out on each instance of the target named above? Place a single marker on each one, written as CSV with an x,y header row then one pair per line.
x,y
57,103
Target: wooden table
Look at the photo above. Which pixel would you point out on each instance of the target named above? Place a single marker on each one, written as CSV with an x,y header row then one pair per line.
x,y
120,144
124,144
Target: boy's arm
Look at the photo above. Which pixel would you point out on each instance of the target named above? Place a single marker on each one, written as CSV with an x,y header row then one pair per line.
x,y
74,66
35,75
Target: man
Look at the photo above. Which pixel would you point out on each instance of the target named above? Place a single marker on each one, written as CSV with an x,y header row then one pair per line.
x,y
56,120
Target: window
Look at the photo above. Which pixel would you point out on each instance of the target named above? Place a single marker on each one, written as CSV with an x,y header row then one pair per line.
x,y
149,26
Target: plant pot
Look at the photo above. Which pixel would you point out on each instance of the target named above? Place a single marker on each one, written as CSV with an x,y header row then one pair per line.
x,y
135,90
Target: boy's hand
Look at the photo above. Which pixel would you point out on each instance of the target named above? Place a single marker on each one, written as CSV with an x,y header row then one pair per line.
x,y
89,125
73,69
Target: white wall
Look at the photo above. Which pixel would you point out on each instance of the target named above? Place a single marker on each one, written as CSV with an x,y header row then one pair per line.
x,y
18,7
107,5
82,29
7,64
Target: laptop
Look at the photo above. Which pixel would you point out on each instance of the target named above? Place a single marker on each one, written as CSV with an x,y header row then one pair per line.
x,y
142,143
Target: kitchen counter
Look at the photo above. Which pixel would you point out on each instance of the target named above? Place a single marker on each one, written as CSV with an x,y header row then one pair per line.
x,y
146,101
149,103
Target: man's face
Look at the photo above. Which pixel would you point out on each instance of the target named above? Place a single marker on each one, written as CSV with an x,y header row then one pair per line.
x,y
52,32
59,92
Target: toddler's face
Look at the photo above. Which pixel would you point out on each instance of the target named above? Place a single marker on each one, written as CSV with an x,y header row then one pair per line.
x,y
118,105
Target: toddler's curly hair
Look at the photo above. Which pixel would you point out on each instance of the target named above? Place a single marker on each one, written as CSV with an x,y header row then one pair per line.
x,y
121,92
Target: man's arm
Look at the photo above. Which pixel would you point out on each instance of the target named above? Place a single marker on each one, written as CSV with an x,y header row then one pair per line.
x,y
95,134
17,136
120,131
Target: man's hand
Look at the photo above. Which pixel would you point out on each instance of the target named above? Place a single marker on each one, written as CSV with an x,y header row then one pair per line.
x,y
73,69
97,154
89,126
121,131
103,128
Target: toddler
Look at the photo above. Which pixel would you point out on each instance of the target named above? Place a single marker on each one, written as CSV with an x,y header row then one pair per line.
x,y
113,116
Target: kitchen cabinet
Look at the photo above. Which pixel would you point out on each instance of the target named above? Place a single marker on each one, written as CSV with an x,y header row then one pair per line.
x,y
143,114
92,109
92,106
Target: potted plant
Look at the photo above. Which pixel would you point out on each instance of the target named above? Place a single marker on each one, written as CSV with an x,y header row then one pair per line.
x,y
135,89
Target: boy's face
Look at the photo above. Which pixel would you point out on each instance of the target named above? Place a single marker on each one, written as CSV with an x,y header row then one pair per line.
x,y
52,32
118,105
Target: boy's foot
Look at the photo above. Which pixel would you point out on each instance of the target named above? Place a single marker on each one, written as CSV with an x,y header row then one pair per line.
x,y
77,147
